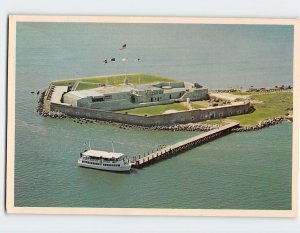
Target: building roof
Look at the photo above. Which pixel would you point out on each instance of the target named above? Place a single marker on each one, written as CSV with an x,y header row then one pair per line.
x,y
100,91
103,154
174,90
146,87
109,89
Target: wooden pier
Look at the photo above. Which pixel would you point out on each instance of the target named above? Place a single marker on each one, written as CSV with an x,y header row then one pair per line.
x,y
171,150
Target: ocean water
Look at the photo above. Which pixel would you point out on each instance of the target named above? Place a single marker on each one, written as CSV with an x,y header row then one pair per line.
x,y
249,170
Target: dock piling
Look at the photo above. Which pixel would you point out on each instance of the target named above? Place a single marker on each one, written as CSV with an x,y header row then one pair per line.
x,y
169,150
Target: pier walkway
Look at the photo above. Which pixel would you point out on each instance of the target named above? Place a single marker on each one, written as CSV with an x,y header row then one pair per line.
x,y
170,150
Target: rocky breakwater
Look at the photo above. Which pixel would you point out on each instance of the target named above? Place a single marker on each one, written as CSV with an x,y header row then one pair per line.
x,y
263,124
175,127
40,106
52,114
40,109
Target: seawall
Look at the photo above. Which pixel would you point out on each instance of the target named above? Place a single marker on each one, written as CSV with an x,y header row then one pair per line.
x,y
158,120
125,121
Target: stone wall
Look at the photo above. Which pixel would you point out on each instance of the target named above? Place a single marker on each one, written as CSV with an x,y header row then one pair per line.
x,y
164,119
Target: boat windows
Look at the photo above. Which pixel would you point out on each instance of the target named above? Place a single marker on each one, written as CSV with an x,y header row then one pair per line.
x,y
101,164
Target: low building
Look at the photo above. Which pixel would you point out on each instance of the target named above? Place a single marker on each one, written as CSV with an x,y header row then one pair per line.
x,y
132,96
104,97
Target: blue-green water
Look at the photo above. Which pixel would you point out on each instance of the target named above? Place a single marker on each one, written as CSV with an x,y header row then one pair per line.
x,y
240,171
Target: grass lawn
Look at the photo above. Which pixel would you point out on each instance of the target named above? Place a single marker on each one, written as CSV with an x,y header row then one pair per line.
x,y
200,104
243,93
267,106
159,109
90,82
156,110
86,85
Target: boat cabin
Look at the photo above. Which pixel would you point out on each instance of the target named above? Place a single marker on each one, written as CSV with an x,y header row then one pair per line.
x,y
96,154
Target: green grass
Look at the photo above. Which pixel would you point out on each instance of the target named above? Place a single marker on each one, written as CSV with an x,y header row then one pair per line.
x,y
272,105
86,85
243,93
159,109
200,104
155,110
91,82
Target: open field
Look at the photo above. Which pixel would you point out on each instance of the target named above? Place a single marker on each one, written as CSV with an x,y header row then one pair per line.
x,y
86,85
267,105
200,104
160,109
92,82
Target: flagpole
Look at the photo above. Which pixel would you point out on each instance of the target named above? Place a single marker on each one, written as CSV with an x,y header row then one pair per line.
x,y
124,47
112,144
126,80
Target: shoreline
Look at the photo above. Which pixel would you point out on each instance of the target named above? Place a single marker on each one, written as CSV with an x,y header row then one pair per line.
x,y
264,124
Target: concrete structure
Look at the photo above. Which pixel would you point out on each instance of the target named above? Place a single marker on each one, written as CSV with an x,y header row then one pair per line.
x,y
132,96
54,95
105,97
197,115
97,103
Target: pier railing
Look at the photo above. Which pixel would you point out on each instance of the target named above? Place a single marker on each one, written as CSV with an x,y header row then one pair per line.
x,y
168,151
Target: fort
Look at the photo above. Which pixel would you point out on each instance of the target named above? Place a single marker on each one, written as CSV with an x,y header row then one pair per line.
x,y
103,101
128,96
98,101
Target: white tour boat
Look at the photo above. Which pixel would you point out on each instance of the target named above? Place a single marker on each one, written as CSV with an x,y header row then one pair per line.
x,y
104,160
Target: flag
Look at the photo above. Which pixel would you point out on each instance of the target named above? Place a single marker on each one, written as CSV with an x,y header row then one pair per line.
x,y
125,59
113,59
123,47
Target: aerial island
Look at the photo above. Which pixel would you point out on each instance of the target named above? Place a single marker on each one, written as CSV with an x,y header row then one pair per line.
x,y
151,101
